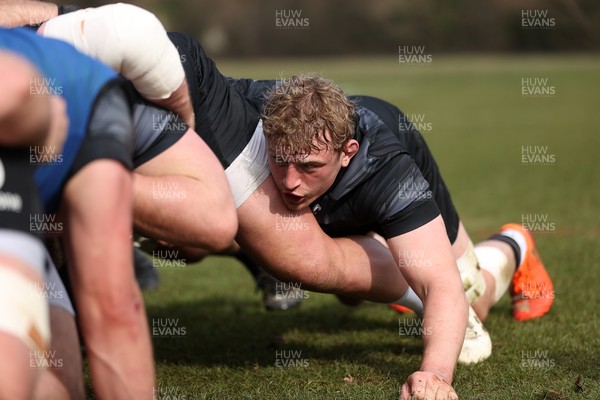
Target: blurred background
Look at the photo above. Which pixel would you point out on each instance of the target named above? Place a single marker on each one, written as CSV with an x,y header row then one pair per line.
x,y
256,28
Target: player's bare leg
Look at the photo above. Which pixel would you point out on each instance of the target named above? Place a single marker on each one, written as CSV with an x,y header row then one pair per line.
x,y
19,348
65,374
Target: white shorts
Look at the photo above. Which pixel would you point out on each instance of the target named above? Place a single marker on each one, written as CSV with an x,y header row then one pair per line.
x,y
250,169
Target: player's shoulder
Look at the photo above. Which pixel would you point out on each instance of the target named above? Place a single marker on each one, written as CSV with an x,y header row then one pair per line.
x,y
377,127
376,107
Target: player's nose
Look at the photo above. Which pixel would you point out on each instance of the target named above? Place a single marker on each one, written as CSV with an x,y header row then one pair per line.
x,y
291,178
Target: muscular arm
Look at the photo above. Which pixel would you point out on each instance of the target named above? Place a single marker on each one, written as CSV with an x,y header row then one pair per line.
x,y
358,266
97,203
425,258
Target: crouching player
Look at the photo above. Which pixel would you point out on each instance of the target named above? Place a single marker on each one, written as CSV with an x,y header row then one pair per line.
x,y
91,188
349,162
25,121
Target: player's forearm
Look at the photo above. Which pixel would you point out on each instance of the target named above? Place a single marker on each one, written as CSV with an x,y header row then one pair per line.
x,y
115,331
24,12
425,257
444,324
113,320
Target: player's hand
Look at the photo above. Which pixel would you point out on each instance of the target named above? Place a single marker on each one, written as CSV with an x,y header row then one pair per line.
x,y
427,385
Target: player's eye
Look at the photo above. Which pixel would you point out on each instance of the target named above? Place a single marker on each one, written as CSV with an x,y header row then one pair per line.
x,y
309,166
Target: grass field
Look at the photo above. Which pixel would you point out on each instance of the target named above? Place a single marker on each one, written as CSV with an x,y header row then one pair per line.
x,y
226,346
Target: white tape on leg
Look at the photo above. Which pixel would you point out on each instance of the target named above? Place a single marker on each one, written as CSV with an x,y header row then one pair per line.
x,y
23,309
495,262
471,275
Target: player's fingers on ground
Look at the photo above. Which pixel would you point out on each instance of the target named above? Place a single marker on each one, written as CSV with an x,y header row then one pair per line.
x,y
416,387
405,392
440,390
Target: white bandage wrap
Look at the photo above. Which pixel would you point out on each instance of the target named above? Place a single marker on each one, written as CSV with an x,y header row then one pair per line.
x,y
127,38
23,309
250,169
495,262
471,275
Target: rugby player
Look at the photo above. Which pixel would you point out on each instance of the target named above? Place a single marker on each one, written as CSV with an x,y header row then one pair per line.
x,y
353,164
90,185
25,121
361,187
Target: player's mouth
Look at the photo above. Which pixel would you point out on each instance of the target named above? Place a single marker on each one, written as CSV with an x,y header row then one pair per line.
x,y
293,198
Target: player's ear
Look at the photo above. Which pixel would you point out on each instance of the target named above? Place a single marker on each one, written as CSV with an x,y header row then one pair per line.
x,y
349,149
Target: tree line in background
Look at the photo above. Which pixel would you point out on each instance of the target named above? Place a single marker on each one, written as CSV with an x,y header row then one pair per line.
x,y
249,28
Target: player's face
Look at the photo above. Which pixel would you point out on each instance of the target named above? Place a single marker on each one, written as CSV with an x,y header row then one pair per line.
x,y
301,179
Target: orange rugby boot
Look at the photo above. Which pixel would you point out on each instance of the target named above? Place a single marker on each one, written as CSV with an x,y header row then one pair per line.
x,y
532,291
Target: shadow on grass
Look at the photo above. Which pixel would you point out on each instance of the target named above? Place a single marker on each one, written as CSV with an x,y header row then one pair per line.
x,y
222,331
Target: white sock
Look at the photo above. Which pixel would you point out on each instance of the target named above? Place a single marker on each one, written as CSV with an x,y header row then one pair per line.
x,y
412,301
495,262
520,239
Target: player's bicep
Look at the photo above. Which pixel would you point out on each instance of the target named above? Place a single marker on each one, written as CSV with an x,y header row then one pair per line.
x,y
275,236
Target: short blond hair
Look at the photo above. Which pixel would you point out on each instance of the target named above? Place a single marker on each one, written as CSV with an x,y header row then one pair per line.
x,y
302,109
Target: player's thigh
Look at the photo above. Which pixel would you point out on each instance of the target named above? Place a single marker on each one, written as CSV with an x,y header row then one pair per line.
x,y
66,373
16,375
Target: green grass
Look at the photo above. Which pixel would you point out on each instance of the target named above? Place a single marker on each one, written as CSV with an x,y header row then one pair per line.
x,y
479,123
